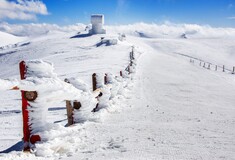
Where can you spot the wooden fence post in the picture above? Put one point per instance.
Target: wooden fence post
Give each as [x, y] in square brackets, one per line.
[105, 79]
[200, 63]
[233, 70]
[215, 67]
[209, 66]
[132, 53]
[204, 65]
[129, 69]
[94, 81]
[121, 73]
[94, 84]
[70, 108]
[131, 57]
[223, 68]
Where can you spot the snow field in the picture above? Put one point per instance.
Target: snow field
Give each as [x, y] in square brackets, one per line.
[41, 77]
[170, 109]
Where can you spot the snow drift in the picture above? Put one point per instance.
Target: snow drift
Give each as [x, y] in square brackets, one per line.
[6, 39]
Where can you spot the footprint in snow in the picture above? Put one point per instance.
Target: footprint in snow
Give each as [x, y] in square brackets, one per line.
[116, 146]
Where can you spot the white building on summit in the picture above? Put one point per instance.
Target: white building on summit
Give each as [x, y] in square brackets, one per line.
[97, 21]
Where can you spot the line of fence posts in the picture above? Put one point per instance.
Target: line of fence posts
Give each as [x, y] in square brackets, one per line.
[27, 96]
[216, 66]
[132, 58]
[71, 106]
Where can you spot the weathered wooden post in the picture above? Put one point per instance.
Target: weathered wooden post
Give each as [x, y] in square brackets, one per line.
[94, 84]
[27, 96]
[129, 69]
[132, 57]
[106, 78]
[204, 65]
[200, 64]
[233, 70]
[70, 108]
[215, 67]
[223, 68]
[209, 66]
[121, 73]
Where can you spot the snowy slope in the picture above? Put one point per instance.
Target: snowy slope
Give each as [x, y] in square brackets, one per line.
[171, 109]
[6, 39]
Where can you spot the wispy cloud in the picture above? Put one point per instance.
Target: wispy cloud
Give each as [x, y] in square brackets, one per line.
[33, 29]
[231, 18]
[22, 9]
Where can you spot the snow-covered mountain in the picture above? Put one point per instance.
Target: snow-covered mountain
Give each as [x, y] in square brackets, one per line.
[169, 109]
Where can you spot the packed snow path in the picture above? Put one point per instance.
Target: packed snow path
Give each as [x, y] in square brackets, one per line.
[177, 111]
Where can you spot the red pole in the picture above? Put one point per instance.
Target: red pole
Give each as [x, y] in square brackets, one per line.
[25, 113]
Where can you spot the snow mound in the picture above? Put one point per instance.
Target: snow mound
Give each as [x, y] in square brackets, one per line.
[6, 39]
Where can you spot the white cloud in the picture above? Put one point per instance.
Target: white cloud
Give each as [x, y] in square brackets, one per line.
[171, 30]
[22, 9]
[231, 18]
[166, 30]
[33, 29]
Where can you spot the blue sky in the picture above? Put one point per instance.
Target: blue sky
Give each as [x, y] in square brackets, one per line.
[218, 13]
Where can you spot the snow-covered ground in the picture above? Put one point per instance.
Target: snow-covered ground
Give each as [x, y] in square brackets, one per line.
[8, 39]
[169, 109]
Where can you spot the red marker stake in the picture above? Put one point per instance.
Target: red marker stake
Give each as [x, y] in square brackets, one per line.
[25, 113]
